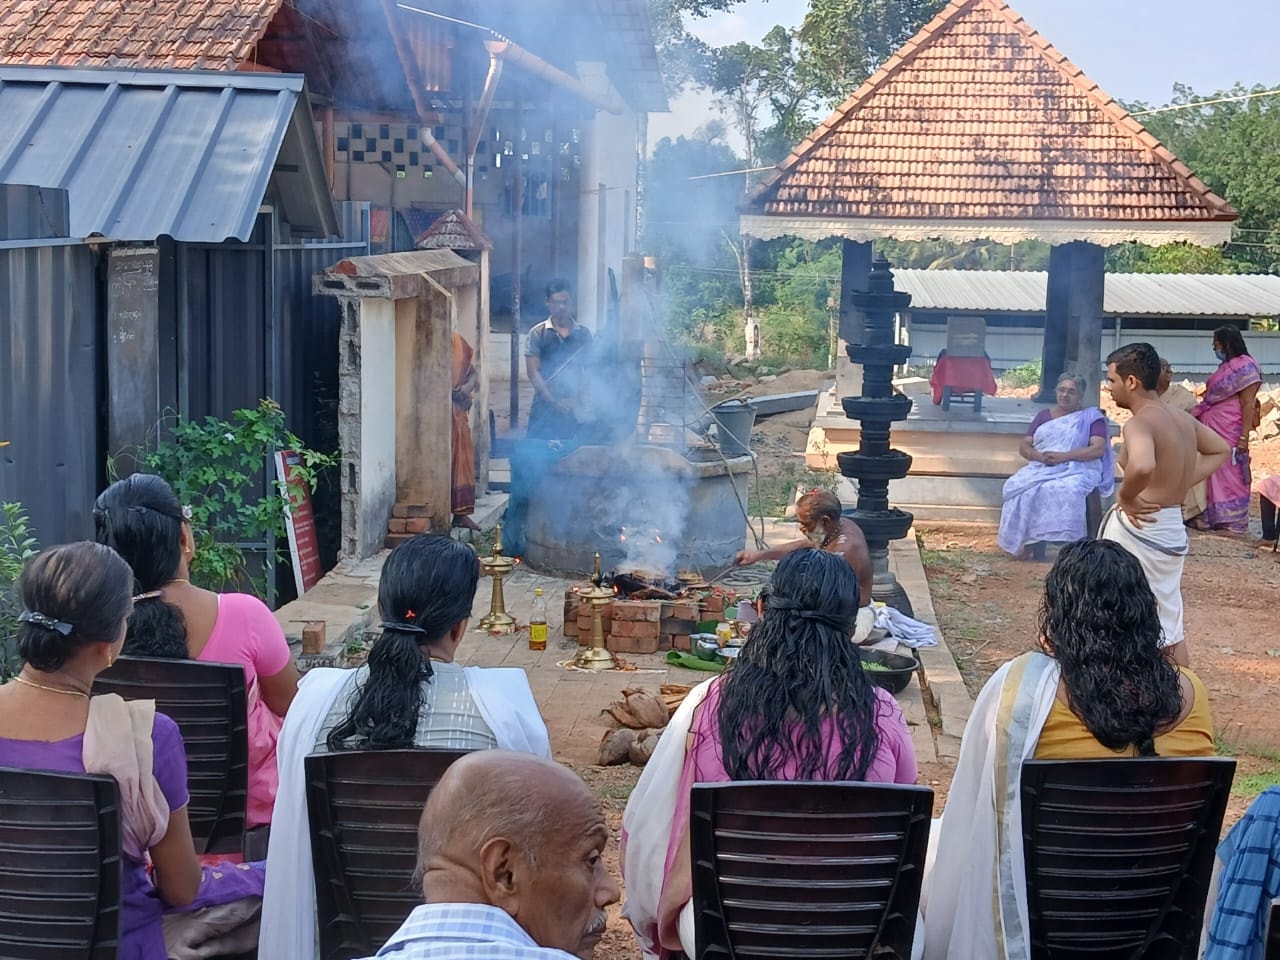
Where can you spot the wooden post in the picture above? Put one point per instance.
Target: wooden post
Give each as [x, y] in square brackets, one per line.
[1053, 353]
[1084, 349]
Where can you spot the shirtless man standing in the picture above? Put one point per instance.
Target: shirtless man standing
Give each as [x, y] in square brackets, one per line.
[1166, 452]
[826, 528]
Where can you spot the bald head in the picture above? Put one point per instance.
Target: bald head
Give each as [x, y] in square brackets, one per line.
[523, 834]
[493, 793]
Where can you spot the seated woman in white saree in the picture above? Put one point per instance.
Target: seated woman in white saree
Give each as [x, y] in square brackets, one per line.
[411, 693]
[767, 718]
[1069, 456]
[1101, 688]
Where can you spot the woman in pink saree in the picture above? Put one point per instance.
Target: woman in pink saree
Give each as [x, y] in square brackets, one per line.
[1227, 409]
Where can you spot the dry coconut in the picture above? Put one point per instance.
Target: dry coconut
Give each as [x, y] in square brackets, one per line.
[615, 746]
[642, 748]
[640, 709]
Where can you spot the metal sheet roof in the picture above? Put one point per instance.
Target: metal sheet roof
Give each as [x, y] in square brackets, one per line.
[1125, 294]
[149, 153]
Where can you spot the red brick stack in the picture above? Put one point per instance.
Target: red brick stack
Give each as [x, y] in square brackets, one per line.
[640, 626]
[407, 520]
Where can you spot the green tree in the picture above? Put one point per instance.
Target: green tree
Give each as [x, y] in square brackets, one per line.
[1235, 148]
[845, 41]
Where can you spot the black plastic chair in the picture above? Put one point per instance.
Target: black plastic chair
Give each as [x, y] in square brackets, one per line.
[807, 870]
[364, 807]
[1273, 932]
[207, 702]
[60, 866]
[1119, 854]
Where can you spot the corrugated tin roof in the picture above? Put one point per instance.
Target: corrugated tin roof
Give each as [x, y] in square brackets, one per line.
[150, 153]
[1125, 294]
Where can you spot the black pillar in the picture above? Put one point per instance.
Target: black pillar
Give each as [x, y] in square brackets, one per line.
[875, 463]
[1073, 318]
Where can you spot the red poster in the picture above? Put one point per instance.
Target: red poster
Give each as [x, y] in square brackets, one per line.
[300, 523]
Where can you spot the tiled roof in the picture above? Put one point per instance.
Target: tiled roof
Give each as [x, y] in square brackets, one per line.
[978, 117]
[453, 230]
[179, 34]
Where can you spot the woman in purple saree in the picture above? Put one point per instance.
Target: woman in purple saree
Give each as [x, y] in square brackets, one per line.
[1227, 409]
[1070, 457]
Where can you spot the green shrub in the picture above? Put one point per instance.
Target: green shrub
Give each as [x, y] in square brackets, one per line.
[17, 546]
[1027, 375]
[216, 468]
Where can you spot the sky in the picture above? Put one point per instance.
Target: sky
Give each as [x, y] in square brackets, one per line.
[1133, 49]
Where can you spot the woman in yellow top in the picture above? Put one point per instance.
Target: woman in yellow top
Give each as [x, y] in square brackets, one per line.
[1100, 687]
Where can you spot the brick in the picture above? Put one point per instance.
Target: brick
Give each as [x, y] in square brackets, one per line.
[571, 628]
[395, 539]
[407, 510]
[623, 644]
[682, 611]
[395, 525]
[650, 610]
[681, 642]
[417, 525]
[313, 636]
[678, 626]
[664, 643]
[713, 606]
[635, 628]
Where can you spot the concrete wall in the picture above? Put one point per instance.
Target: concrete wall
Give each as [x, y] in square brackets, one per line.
[1190, 351]
[367, 423]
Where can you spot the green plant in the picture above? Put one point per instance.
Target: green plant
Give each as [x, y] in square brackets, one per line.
[1027, 375]
[223, 471]
[17, 546]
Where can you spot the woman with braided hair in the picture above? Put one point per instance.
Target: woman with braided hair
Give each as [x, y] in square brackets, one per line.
[411, 693]
[1099, 687]
[796, 705]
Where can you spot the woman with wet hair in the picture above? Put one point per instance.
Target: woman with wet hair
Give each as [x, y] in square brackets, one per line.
[142, 519]
[411, 694]
[1100, 687]
[796, 705]
[76, 599]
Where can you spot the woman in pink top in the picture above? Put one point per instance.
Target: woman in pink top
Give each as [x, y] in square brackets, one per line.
[141, 519]
[795, 706]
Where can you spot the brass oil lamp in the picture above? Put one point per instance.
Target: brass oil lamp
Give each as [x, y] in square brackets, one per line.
[498, 567]
[597, 655]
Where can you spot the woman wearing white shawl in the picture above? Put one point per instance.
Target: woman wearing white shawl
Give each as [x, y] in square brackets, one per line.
[411, 694]
[1101, 634]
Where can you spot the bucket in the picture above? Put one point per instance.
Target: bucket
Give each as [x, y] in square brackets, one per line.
[734, 420]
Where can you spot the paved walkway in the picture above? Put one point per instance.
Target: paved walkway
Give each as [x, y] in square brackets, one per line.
[572, 701]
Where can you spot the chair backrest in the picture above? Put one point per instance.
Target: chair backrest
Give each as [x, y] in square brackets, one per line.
[1119, 854]
[207, 702]
[1273, 932]
[807, 869]
[966, 336]
[60, 867]
[364, 807]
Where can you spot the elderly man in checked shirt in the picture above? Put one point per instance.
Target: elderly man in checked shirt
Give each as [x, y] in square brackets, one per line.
[510, 851]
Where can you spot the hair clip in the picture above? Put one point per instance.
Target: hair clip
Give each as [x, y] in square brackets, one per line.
[186, 511]
[47, 623]
[409, 615]
[149, 595]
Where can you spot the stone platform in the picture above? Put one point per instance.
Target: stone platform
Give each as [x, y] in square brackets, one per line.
[960, 459]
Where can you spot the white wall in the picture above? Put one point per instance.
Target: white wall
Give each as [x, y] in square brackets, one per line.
[609, 158]
[377, 420]
[1189, 351]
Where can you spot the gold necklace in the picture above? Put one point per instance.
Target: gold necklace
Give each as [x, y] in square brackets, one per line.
[40, 686]
[179, 580]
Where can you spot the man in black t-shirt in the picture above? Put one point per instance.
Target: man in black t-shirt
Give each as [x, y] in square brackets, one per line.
[555, 358]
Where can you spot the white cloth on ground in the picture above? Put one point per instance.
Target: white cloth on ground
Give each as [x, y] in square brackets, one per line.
[1161, 547]
[289, 927]
[910, 632]
[864, 623]
[975, 893]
